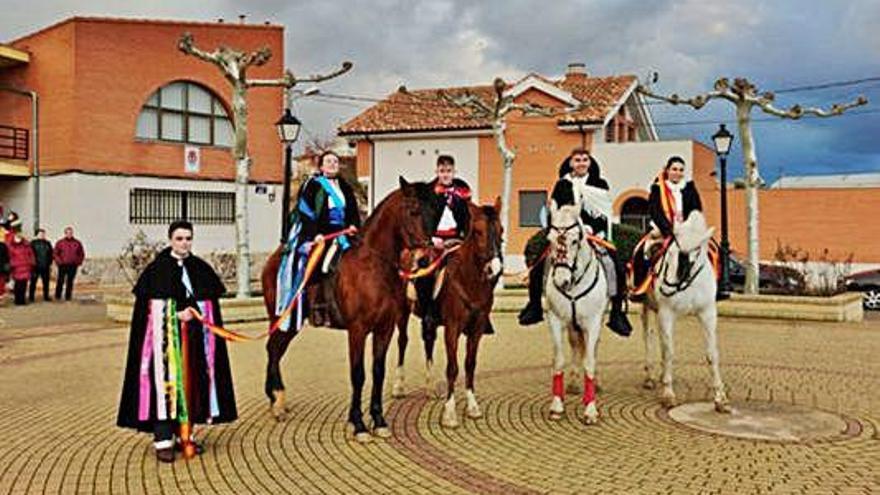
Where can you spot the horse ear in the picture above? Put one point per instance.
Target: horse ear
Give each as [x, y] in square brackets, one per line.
[403, 182]
[710, 232]
[497, 203]
[405, 186]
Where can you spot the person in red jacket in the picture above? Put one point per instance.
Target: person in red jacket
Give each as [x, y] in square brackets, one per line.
[21, 259]
[68, 255]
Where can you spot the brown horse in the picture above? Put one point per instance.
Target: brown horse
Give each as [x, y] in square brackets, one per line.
[370, 294]
[465, 300]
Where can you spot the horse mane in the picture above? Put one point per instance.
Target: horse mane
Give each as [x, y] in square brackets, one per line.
[423, 194]
[566, 211]
[693, 232]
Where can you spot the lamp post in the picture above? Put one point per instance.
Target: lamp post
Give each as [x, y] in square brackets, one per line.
[722, 141]
[288, 130]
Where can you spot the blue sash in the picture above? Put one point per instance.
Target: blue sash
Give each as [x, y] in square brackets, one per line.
[336, 214]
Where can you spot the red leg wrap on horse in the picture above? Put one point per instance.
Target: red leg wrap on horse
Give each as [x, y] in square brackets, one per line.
[558, 385]
[589, 390]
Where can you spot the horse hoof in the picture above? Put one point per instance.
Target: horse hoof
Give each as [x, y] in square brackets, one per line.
[382, 432]
[722, 407]
[555, 416]
[649, 384]
[668, 401]
[280, 415]
[451, 422]
[474, 412]
[591, 414]
[363, 437]
[398, 392]
[449, 419]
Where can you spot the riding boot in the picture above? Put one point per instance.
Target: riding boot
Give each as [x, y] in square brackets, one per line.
[533, 312]
[617, 320]
[317, 305]
[430, 318]
[641, 266]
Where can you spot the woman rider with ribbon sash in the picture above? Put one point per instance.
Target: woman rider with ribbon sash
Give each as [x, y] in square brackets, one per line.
[326, 205]
[671, 200]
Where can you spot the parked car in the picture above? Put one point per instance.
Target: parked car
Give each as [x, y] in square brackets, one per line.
[868, 283]
[772, 277]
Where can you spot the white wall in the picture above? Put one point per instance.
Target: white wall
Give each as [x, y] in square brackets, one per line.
[635, 165]
[415, 160]
[16, 195]
[97, 207]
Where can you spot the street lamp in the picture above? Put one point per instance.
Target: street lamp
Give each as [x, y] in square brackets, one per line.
[722, 140]
[288, 130]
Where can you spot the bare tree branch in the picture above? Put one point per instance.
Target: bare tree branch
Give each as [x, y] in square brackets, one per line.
[290, 80]
[532, 109]
[698, 101]
[468, 100]
[797, 111]
[185, 44]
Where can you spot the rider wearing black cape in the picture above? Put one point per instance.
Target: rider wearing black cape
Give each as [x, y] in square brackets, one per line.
[174, 281]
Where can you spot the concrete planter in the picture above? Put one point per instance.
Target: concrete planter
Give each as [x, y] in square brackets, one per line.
[842, 307]
[234, 310]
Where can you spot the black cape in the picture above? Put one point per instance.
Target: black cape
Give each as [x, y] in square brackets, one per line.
[162, 280]
[690, 199]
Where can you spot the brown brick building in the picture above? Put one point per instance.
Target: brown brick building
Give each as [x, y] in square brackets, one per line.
[120, 108]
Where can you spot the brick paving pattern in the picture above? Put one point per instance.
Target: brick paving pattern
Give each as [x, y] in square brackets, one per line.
[60, 385]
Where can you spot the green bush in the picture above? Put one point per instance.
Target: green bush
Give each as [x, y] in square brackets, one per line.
[625, 238]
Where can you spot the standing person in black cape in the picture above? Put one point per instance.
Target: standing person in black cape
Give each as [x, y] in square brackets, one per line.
[166, 338]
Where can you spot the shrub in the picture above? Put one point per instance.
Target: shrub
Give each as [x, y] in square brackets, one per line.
[824, 276]
[625, 238]
[136, 254]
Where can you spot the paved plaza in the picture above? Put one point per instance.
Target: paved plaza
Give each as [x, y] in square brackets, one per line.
[60, 383]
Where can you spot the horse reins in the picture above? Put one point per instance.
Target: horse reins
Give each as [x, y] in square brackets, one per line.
[680, 285]
[573, 299]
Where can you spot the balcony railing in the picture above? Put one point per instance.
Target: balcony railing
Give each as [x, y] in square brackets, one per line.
[14, 142]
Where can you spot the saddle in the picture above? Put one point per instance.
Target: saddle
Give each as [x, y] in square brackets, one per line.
[412, 264]
[321, 293]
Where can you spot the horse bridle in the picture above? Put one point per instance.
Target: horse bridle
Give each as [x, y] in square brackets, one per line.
[573, 299]
[562, 234]
[679, 285]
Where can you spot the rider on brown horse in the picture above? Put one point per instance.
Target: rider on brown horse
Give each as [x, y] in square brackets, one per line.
[326, 205]
[452, 196]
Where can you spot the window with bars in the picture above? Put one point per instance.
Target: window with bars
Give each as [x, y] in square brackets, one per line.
[184, 112]
[163, 206]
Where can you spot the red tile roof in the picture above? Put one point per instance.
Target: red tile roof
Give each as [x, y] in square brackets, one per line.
[426, 110]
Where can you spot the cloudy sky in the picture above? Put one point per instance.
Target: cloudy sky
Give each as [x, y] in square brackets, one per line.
[778, 45]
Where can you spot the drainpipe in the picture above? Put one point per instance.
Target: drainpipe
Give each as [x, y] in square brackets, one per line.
[372, 202]
[35, 116]
[35, 124]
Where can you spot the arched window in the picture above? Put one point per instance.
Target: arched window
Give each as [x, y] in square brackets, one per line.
[185, 112]
[635, 212]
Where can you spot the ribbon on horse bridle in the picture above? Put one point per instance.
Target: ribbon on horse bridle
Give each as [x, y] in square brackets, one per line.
[431, 268]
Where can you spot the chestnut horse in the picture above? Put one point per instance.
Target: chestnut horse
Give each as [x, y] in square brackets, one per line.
[465, 302]
[370, 295]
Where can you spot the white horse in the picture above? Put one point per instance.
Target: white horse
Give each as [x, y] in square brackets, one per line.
[577, 296]
[678, 290]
